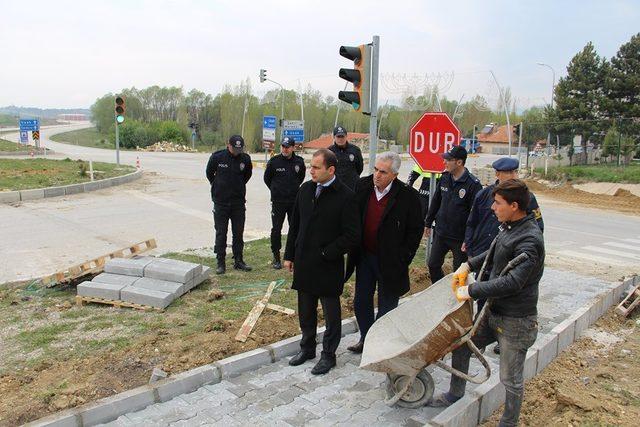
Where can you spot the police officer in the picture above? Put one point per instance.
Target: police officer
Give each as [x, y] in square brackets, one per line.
[450, 209]
[228, 171]
[423, 191]
[350, 163]
[283, 175]
[483, 225]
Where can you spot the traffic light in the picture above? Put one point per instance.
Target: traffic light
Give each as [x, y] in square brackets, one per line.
[120, 109]
[516, 128]
[263, 76]
[360, 97]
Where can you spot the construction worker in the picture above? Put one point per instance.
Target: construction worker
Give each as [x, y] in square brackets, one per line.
[516, 257]
[350, 163]
[423, 191]
[283, 175]
[228, 172]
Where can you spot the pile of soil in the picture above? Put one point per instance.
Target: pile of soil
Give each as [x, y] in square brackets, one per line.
[596, 381]
[622, 201]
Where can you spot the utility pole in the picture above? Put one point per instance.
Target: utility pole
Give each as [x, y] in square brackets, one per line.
[506, 111]
[373, 123]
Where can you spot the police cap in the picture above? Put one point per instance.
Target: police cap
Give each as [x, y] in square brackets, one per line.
[505, 164]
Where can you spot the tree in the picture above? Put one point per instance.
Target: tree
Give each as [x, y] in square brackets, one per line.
[623, 87]
[580, 96]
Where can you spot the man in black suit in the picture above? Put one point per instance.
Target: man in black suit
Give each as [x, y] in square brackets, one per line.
[325, 226]
[392, 228]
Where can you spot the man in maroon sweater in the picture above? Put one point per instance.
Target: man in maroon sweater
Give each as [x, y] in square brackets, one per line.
[392, 227]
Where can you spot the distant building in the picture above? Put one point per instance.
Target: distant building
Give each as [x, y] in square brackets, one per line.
[325, 140]
[494, 139]
[78, 117]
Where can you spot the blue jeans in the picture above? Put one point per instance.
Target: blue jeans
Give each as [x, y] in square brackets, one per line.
[367, 276]
[515, 335]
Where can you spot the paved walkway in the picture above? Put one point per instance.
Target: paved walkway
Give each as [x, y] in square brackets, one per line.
[281, 395]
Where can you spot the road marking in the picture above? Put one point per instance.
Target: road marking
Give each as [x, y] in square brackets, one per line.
[623, 246]
[571, 230]
[171, 205]
[611, 252]
[595, 258]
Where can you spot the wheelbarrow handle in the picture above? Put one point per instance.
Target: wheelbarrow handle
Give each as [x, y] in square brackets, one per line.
[474, 379]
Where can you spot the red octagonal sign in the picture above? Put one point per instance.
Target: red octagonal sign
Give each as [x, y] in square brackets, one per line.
[433, 135]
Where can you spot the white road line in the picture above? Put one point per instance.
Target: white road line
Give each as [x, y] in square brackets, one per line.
[174, 206]
[623, 246]
[572, 230]
[611, 252]
[595, 258]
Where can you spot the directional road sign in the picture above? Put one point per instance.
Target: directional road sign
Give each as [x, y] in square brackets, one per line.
[269, 128]
[24, 136]
[293, 129]
[29, 124]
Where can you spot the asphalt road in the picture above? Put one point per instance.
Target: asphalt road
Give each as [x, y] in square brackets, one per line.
[172, 204]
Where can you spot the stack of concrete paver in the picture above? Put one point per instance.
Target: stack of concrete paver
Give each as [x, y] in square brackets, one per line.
[144, 280]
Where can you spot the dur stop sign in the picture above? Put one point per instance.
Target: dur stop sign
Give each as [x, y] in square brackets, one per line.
[431, 136]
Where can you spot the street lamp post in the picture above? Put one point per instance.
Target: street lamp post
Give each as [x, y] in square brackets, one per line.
[553, 87]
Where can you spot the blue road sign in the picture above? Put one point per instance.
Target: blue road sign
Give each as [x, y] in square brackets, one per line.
[24, 136]
[269, 122]
[269, 128]
[29, 124]
[296, 134]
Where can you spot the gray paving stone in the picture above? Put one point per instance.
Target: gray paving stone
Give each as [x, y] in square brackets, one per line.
[34, 194]
[146, 297]
[115, 279]
[100, 290]
[127, 266]
[160, 285]
[172, 270]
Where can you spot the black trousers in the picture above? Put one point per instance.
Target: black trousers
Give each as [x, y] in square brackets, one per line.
[439, 248]
[278, 212]
[308, 317]
[222, 214]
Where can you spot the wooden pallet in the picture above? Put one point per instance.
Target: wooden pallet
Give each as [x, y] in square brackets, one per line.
[630, 302]
[81, 300]
[96, 265]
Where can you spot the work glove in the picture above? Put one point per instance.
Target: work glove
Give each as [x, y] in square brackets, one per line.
[462, 293]
[460, 277]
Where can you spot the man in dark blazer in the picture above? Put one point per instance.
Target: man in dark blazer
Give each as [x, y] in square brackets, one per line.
[392, 227]
[325, 226]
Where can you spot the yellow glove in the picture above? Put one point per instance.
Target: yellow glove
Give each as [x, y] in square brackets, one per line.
[460, 277]
[462, 293]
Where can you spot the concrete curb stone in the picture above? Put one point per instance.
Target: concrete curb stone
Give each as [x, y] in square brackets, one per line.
[35, 194]
[286, 347]
[186, 382]
[463, 413]
[9, 196]
[530, 364]
[235, 365]
[132, 400]
[547, 348]
[581, 317]
[53, 192]
[73, 189]
[491, 395]
[566, 331]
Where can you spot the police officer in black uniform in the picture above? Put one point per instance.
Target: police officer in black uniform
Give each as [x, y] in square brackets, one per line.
[283, 175]
[450, 209]
[350, 163]
[424, 189]
[228, 172]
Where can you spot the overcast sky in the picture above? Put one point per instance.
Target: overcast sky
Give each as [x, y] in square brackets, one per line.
[67, 53]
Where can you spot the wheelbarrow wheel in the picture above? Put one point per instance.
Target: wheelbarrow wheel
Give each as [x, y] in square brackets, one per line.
[418, 393]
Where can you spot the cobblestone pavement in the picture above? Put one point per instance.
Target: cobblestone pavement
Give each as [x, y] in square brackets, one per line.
[281, 395]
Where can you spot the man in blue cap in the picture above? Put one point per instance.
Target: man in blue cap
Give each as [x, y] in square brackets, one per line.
[483, 225]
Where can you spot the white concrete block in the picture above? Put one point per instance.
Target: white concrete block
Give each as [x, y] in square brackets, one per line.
[160, 285]
[100, 290]
[146, 297]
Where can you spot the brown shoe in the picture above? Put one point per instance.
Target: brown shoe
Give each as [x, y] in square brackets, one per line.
[356, 348]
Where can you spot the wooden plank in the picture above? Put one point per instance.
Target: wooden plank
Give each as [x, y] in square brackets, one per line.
[630, 302]
[254, 314]
[281, 309]
[80, 300]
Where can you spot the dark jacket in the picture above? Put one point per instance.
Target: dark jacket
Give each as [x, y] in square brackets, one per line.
[451, 204]
[283, 176]
[320, 233]
[482, 225]
[228, 176]
[516, 293]
[350, 164]
[399, 233]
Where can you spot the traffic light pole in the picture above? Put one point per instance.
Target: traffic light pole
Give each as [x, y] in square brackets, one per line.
[117, 144]
[373, 122]
[432, 190]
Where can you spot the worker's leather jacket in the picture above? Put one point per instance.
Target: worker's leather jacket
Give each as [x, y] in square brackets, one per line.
[514, 292]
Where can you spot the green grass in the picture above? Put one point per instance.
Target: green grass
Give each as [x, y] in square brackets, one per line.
[88, 137]
[595, 173]
[33, 339]
[23, 174]
[11, 146]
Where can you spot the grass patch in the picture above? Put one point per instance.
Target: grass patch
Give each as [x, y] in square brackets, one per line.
[41, 337]
[23, 174]
[11, 146]
[89, 137]
[595, 173]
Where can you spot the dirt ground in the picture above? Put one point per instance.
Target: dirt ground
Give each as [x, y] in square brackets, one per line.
[593, 382]
[622, 201]
[31, 390]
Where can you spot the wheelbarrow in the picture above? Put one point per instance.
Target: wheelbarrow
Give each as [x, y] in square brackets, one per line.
[417, 334]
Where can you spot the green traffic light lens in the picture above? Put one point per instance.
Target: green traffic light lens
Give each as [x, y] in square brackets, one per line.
[120, 119]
